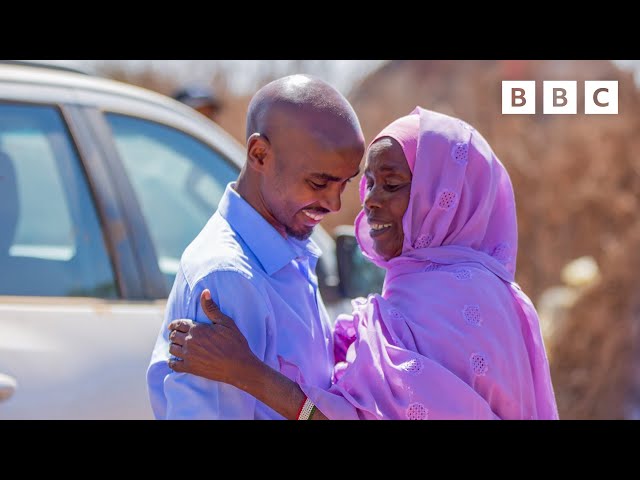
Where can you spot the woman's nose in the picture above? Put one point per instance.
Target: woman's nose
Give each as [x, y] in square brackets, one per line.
[372, 198]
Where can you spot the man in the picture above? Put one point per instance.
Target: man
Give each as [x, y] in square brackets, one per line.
[203, 100]
[304, 143]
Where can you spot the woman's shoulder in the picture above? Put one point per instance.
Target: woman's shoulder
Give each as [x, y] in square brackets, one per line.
[461, 271]
[461, 280]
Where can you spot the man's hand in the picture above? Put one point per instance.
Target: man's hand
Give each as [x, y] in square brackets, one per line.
[217, 351]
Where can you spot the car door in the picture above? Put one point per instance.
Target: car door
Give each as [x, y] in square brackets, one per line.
[63, 291]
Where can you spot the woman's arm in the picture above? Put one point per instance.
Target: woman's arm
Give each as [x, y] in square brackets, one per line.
[274, 389]
[220, 352]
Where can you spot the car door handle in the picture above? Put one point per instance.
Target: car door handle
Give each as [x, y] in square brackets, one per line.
[7, 386]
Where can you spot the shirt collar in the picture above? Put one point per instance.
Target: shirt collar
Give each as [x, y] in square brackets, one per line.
[271, 249]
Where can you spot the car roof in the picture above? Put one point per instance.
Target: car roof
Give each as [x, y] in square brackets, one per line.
[48, 64]
[53, 75]
[41, 83]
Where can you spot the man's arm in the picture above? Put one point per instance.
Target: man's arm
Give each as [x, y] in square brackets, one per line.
[187, 396]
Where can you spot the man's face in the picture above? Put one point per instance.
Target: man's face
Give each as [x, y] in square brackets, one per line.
[306, 179]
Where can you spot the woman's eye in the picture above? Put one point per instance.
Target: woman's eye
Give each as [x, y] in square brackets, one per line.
[391, 188]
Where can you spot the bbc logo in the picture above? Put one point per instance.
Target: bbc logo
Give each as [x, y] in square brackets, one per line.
[560, 97]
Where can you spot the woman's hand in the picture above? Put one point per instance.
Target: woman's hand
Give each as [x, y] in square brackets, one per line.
[217, 351]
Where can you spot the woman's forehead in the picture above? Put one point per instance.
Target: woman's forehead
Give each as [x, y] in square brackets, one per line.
[386, 154]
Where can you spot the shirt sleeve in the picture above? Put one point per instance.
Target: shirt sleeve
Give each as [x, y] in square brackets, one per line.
[185, 396]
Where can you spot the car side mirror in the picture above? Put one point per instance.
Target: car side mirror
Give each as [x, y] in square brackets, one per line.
[358, 276]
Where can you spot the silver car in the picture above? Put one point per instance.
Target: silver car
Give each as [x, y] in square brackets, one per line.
[102, 186]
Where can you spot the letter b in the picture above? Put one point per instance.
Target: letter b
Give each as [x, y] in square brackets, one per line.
[560, 97]
[518, 97]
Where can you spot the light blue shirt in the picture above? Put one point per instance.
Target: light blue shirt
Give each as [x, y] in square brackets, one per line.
[267, 285]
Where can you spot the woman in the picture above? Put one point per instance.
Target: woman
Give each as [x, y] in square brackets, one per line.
[452, 336]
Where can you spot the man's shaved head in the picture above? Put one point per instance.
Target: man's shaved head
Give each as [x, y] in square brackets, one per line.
[306, 102]
[304, 143]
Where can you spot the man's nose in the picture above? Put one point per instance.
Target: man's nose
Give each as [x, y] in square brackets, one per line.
[332, 200]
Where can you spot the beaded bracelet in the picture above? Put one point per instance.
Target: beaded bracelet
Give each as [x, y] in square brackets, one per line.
[306, 410]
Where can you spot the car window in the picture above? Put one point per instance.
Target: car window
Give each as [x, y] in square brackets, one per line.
[178, 181]
[51, 242]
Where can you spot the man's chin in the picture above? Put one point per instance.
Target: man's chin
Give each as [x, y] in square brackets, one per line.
[300, 234]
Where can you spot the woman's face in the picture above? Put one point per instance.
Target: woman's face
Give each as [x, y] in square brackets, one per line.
[388, 188]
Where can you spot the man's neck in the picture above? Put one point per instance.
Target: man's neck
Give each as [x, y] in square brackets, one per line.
[251, 194]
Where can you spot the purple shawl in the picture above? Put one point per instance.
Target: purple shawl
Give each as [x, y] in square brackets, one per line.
[452, 336]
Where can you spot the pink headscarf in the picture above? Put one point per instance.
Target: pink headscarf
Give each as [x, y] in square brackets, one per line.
[452, 336]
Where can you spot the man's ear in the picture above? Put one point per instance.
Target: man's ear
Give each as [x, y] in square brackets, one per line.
[258, 151]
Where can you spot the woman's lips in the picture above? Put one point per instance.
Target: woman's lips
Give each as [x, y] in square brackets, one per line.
[378, 228]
